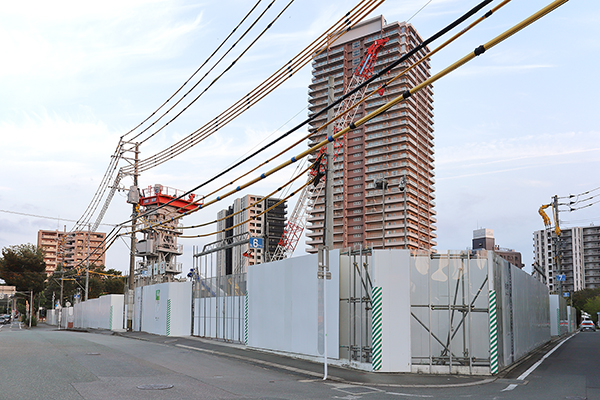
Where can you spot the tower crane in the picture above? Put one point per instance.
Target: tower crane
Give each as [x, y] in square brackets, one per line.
[298, 219]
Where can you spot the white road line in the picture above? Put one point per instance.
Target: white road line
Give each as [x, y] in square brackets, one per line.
[509, 387]
[537, 364]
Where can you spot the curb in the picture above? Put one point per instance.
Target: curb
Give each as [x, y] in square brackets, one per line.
[306, 372]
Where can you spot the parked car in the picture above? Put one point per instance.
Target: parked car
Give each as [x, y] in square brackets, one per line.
[4, 320]
[587, 326]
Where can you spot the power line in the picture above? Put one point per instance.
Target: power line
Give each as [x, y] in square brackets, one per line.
[44, 217]
[108, 175]
[262, 90]
[375, 76]
[421, 9]
[206, 74]
[198, 69]
[405, 95]
[480, 50]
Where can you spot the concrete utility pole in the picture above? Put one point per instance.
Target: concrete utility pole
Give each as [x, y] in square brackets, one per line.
[382, 184]
[328, 216]
[135, 207]
[558, 245]
[403, 189]
[87, 267]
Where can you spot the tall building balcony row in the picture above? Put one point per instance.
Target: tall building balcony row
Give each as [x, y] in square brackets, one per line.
[331, 68]
[323, 55]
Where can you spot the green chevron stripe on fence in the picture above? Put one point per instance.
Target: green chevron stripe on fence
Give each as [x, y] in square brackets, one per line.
[168, 317]
[377, 325]
[246, 320]
[110, 318]
[493, 334]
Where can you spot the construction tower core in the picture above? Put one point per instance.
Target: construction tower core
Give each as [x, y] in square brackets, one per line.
[161, 208]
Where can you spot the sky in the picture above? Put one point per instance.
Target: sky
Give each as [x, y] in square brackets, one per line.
[514, 127]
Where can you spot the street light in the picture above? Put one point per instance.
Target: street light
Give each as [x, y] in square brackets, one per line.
[382, 184]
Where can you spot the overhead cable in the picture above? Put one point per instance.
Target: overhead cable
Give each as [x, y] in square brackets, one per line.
[208, 72]
[478, 51]
[405, 95]
[262, 90]
[375, 76]
[197, 70]
[108, 176]
[44, 217]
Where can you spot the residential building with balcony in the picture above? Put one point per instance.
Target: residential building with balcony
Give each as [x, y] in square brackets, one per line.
[71, 248]
[396, 147]
[245, 219]
[575, 254]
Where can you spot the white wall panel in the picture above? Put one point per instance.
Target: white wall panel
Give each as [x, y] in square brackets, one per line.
[105, 312]
[154, 309]
[391, 272]
[283, 306]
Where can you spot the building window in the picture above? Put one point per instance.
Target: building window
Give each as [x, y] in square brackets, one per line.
[355, 45]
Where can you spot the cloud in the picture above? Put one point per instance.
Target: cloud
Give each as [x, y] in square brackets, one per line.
[59, 40]
[502, 155]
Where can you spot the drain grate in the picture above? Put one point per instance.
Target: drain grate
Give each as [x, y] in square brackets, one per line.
[155, 386]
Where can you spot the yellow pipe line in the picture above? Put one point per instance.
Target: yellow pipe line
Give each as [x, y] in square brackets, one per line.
[498, 39]
[418, 62]
[253, 218]
[251, 205]
[261, 91]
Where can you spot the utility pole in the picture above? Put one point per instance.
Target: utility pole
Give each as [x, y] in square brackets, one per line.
[323, 260]
[558, 244]
[87, 267]
[135, 207]
[403, 189]
[382, 184]
[328, 203]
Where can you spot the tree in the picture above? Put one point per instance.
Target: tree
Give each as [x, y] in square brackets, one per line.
[592, 307]
[582, 296]
[23, 266]
[114, 283]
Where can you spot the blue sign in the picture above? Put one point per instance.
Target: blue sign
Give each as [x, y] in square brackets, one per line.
[256, 243]
[566, 294]
[561, 277]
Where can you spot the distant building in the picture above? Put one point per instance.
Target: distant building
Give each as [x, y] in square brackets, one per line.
[71, 248]
[268, 226]
[579, 252]
[396, 146]
[483, 239]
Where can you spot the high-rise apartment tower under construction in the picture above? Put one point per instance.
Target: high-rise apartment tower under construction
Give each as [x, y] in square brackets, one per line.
[384, 174]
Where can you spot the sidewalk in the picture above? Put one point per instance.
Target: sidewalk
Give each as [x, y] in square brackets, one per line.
[312, 370]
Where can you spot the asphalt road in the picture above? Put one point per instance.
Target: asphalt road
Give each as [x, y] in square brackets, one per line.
[50, 364]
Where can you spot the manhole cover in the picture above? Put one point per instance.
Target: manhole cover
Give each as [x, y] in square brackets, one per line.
[155, 386]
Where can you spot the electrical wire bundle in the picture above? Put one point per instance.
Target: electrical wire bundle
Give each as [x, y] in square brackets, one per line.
[405, 95]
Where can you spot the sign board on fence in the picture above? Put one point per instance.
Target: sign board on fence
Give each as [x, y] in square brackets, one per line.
[256, 243]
